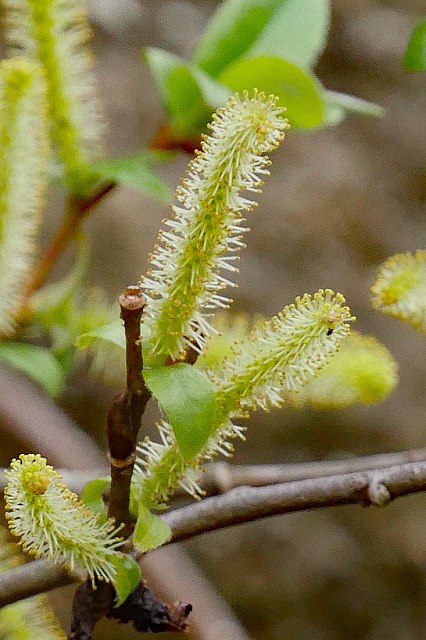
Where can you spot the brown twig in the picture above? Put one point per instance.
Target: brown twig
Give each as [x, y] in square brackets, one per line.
[77, 209]
[123, 422]
[125, 414]
[221, 477]
[245, 504]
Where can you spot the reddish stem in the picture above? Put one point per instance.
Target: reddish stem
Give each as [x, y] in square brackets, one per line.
[77, 209]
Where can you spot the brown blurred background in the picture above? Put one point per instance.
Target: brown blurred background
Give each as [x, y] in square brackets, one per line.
[338, 202]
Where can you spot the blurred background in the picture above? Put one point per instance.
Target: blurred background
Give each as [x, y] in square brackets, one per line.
[338, 202]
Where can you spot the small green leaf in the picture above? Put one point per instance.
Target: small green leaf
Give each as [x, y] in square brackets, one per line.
[128, 576]
[150, 530]
[38, 363]
[92, 495]
[297, 31]
[183, 98]
[354, 104]
[231, 32]
[415, 54]
[298, 91]
[136, 171]
[187, 397]
[112, 332]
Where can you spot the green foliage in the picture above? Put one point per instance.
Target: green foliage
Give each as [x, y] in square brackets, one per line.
[188, 93]
[134, 170]
[150, 530]
[415, 53]
[270, 45]
[92, 496]
[187, 398]
[38, 363]
[295, 30]
[127, 576]
[296, 88]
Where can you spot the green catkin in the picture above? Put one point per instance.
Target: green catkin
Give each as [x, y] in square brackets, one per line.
[56, 33]
[280, 355]
[23, 166]
[206, 228]
[52, 523]
[400, 288]
[362, 372]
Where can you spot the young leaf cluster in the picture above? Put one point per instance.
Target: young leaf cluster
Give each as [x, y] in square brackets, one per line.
[271, 45]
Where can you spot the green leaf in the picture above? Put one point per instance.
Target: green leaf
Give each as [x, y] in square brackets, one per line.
[128, 576]
[232, 31]
[183, 98]
[136, 171]
[38, 363]
[354, 104]
[297, 31]
[187, 397]
[150, 530]
[293, 29]
[112, 332]
[415, 54]
[92, 496]
[298, 91]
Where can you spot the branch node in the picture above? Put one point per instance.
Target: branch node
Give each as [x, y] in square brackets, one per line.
[378, 493]
[119, 463]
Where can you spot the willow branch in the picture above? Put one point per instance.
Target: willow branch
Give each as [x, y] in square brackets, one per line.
[245, 504]
[123, 422]
[221, 477]
[125, 414]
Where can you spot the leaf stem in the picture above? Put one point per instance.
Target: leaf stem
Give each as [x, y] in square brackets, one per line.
[77, 209]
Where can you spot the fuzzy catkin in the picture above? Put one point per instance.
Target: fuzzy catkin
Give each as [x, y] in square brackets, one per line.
[23, 168]
[56, 33]
[279, 355]
[185, 279]
[52, 523]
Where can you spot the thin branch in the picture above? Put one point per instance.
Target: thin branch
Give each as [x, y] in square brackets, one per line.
[221, 477]
[245, 504]
[77, 209]
[32, 578]
[125, 414]
[123, 422]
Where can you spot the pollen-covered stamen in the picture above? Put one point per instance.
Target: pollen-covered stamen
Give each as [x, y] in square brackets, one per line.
[278, 356]
[51, 522]
[208, 224]
[400, 288]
